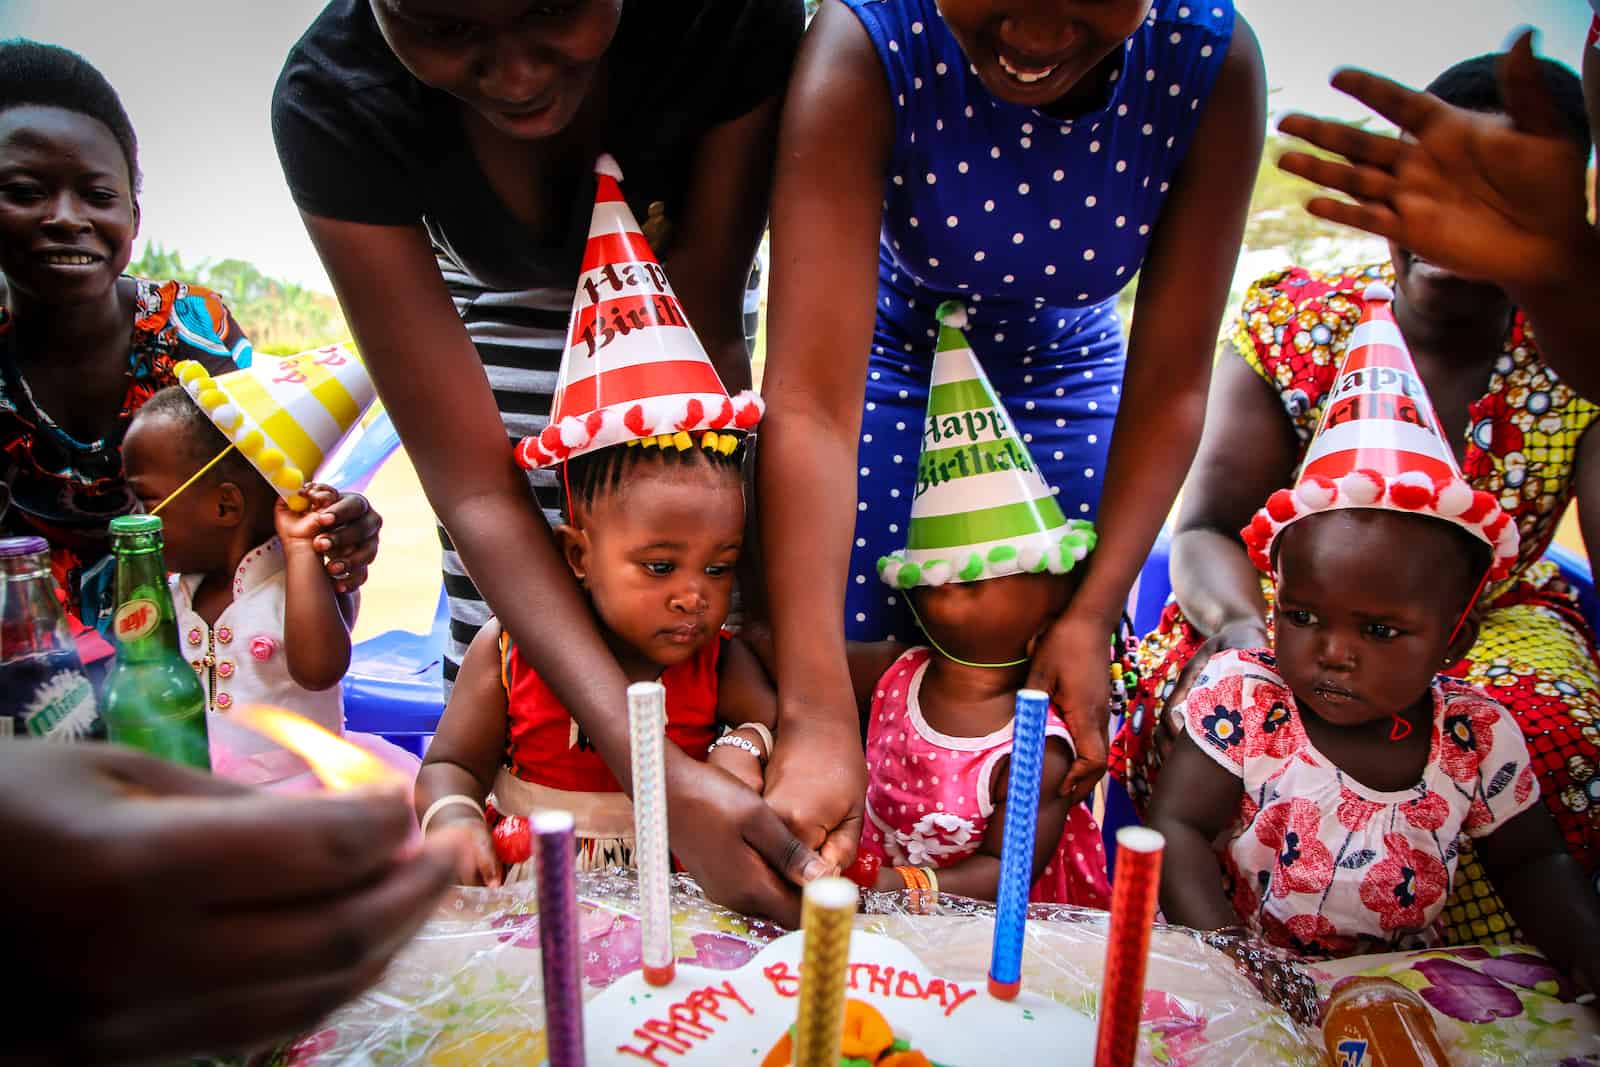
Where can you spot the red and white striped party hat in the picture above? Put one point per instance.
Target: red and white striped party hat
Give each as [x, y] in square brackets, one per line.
[1380, 445]
[633, 368]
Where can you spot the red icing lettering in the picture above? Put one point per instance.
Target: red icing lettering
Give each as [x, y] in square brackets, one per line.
[784, 982]
[909, 987]
[648, 1053]
[881, 981]
[958, 997]
[684, 1023]
[680, 1031]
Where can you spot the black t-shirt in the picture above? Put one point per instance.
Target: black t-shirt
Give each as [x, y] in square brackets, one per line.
[361, 140]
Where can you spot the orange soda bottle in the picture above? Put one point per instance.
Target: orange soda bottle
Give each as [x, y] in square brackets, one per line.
[1377, 1022]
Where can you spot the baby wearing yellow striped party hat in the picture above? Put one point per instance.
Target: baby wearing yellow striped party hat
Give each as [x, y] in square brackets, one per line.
[227, 463]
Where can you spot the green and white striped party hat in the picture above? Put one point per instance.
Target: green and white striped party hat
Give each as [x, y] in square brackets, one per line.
[981, 508]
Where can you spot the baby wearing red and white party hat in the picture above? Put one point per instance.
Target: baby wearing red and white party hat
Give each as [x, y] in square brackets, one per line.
[649, 447]
[1335, 772]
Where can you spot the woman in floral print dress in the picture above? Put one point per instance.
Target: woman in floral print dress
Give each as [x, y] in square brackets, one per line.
[1520, 434]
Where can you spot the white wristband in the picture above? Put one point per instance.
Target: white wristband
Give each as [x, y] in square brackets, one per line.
[761, 732]
[445, 802]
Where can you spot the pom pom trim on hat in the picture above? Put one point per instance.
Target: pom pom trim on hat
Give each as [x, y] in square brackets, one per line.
[1057, 551]
[1449, 499]
[641, 420]
[246, 437]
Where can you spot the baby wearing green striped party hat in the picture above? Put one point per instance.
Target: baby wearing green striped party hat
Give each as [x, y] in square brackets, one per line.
[982, 512]
[990, 562]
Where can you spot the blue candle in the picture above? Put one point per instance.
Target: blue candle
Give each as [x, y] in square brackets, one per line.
[1016, 849]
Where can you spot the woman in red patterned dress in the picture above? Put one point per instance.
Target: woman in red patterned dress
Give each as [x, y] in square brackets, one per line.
[1520, 434]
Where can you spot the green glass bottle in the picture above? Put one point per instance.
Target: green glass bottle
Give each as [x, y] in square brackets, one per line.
[153, 700]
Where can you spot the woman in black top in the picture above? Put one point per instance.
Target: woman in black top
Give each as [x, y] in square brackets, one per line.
[440, 152]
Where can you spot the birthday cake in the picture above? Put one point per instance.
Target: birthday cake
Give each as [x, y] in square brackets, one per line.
[469, 990]
[899, 1013]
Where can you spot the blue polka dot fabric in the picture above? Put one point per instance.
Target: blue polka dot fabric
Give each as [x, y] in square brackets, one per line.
[1035, 223]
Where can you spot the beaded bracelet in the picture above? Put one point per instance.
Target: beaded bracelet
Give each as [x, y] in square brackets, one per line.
[744, 744]
[918, 888]
[761, 731]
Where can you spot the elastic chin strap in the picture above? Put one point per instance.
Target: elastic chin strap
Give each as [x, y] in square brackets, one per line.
[195, 477]
[1471, 603]
[912, 604]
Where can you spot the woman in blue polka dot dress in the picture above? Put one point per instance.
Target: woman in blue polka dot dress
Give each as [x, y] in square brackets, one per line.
[1026, 157]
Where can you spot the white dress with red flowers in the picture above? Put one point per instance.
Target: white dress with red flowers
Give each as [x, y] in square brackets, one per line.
[1321, 864]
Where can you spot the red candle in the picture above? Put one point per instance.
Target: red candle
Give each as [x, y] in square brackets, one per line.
[1133, 910]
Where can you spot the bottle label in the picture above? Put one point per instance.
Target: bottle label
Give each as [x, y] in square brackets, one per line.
[1352, 1052]
[62, 709]
[135, 619]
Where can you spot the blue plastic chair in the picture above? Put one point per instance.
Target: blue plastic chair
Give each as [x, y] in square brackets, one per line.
[394, 685]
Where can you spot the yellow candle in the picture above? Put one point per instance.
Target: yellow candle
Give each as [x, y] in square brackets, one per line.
[828, 907]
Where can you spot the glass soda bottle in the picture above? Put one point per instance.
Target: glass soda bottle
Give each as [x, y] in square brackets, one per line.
[1377, 1022]
[46, 691]
[153, 700]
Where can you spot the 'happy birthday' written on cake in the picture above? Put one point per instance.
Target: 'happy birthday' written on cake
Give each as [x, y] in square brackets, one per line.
[686, 1023]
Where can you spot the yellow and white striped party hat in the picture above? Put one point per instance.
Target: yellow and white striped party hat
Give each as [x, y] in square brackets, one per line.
[982, 509]
[285, 416]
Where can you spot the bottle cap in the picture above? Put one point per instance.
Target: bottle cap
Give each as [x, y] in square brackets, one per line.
[136, 524]
[11, 547]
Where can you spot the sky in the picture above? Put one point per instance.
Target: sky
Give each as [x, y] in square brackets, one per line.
[197, 76]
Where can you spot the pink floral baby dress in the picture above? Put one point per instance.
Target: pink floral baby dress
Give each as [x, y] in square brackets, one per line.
[930, 795]
[1320, 863]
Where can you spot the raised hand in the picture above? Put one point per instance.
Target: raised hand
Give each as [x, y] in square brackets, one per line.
[1497, 198]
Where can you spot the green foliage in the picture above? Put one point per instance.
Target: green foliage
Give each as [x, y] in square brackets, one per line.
[280, 317]
[1278, 218]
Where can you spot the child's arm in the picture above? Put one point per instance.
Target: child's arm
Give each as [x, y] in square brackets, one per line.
[317, 639]
[322, 498]
[1546, 891]
[744, 695]
[978, 876]
[466, 751]
[1194, 802]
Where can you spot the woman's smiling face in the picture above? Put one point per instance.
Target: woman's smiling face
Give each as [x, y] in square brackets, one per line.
[67, 212]
[1033, 52]
[526, 66]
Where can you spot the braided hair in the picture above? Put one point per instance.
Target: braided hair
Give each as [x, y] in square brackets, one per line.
[605, 470]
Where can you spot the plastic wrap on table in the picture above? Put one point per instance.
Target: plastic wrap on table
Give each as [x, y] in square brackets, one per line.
[1491, 1004]
[467, 990]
